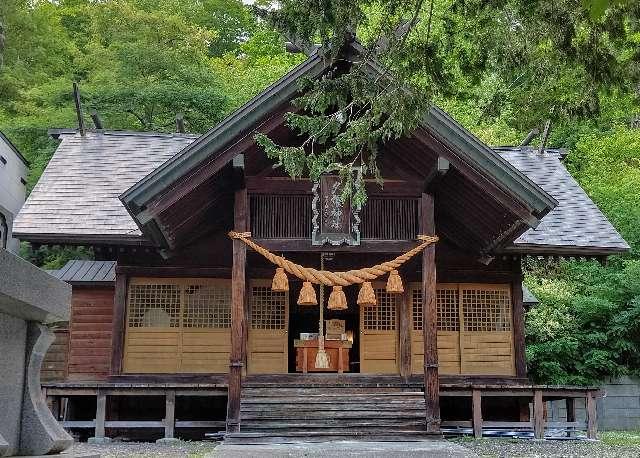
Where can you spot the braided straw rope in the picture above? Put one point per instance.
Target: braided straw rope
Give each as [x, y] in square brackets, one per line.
[327, 278]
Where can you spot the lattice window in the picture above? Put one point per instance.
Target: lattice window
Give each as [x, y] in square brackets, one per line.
[447, 305]
[486, 310]
[154, 305]
[207, 306]
[268, 308]
[383, 316]
[416, 306]
[448, 309]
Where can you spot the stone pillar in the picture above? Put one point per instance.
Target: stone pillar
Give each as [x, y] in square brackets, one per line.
[40, 433]
[28, 298]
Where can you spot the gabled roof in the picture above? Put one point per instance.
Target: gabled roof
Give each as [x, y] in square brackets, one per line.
[85, 272]
[215, 142]
[76, 198]
[576, 224]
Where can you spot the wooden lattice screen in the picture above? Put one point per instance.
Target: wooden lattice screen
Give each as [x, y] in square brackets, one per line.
[474, 328]
[383, 316]
[379, 335]
[269, 317]
[290, 216]
[177, 325]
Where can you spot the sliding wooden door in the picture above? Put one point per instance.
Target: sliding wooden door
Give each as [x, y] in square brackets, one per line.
[379, 334]
[268, 324]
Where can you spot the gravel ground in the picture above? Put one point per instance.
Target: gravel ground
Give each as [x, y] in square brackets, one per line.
[625, 444]
[145, 449]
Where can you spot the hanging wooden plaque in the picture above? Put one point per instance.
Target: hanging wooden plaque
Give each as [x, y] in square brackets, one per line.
[334, 222]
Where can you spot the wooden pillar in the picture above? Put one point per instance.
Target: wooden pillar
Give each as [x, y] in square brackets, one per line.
[571, 411]
[476, 398]
[238, 292]
[592, 421]
[538, 415]
[430, 318]
[518, 322]
[118, 323]
[404, 334]
[101, 409]
[169, 414]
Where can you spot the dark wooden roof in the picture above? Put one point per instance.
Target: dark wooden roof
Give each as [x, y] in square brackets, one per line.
[514, 201]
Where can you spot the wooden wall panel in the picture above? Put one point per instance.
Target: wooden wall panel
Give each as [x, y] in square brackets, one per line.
[90, 332]
[487, 353]
[485, 346]
[177, 325]
[448, 352]
[54, 366]
[378, 352]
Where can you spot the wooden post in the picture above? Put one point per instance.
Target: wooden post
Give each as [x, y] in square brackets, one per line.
[476, 397]
[538, 415]
[430, 319]
[101, 409]
[170, 414]
[518, 323]
[571, 411]
[118, 323]
[404, 334]
[238, 291]
[592, 423]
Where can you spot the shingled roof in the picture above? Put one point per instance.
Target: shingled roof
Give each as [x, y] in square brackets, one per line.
[76, 199]
[576, 223]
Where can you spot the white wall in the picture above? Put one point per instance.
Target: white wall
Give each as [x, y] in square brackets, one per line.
[12, 191]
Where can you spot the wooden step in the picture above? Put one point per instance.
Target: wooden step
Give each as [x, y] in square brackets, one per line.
[319, 415]
[337, 425]
[325, 436]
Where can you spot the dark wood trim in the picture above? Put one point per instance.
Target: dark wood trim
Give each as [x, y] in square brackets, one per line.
[118, 323]
[404, 334]
[196, 177]
[430, 318]
[173, 272]
[471, 172]
[592, 421]
[366, 246]
[538, 415]
[476, 401]
[518, 323]
[285, 185]
[238, 292]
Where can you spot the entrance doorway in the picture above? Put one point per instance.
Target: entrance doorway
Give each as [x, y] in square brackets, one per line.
[305, 319]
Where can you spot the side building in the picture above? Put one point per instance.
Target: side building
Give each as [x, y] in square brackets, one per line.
[13, 190]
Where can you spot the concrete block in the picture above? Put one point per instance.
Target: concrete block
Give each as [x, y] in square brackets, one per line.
[30, 293]
[168, 441]
[99, 440]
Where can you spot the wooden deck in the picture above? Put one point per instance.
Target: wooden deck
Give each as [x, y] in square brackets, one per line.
[474, 388]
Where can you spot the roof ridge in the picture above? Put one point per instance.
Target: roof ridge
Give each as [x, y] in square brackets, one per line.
[54, 132]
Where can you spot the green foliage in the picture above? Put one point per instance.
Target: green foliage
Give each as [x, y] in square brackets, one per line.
[587, 325]
[53, 257]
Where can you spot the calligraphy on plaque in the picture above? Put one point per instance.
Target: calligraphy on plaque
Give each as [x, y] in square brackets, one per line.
[334, 222]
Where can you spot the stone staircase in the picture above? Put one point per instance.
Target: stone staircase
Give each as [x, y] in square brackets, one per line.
[285, 414]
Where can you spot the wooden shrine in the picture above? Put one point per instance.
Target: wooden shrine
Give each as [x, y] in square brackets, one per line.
[188, 305]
